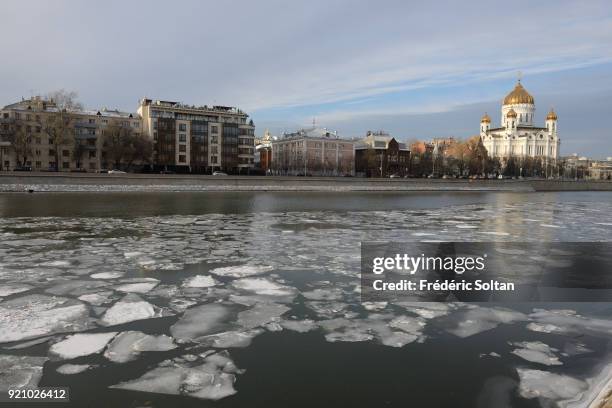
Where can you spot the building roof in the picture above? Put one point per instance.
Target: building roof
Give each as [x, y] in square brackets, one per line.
[313, 132]
[518, 95]
[378, 140]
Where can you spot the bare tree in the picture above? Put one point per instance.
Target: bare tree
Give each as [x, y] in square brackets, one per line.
[59, 124]
[123, 147]
[22, 143]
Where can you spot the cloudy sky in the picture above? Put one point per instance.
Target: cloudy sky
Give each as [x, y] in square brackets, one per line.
[416, 69]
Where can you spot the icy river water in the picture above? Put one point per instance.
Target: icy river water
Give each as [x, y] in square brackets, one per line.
[252, 300]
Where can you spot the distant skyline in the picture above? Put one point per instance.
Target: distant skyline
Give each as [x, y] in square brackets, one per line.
[415, 69]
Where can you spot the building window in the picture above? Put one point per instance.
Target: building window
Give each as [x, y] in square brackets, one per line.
[92, 155]
[65, 153]
[182, 148]
[182, 127]
[92, 121]
[182, 137]
[182, 158]
[66, 165]
[38, 165]
[213, 159]
[214, 129]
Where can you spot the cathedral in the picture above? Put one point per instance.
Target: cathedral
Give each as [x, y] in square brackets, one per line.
[517, 136]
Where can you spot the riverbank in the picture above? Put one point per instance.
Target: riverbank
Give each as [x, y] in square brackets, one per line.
[77, 182]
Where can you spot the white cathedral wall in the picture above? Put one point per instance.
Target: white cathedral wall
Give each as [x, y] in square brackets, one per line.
[524, 113]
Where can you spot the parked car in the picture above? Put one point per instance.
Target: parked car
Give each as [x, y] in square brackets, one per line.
[219, 173]
[23, 168]
[167, 172]
[115, 171]
[395, 176]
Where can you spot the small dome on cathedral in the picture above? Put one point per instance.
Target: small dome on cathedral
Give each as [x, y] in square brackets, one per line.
[485, 119]
[518, 95]
[551, 115]
[511, 113]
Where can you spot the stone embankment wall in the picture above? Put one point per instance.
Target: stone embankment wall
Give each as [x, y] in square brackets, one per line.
[18, 182]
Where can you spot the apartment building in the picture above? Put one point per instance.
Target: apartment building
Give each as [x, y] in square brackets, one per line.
[198, 139]
[314, 151]
[380, 155]
[28, 136]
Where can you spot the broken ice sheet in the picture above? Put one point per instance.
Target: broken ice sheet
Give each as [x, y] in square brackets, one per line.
[143, 286]
[199, 321]
[39, 315]
[536, 352]
[241, 271]
[261, 314]
[128, 345]
[300, 326]
[7, 289]
[82, 344]
[70, 369]
[475, 319]
[200, 281]
[129, 309]
[262, 286]
[211, 377]
[20, 371]
[568, 321]
[555, 387]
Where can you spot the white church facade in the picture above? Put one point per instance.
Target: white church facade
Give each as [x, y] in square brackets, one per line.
[517, 136]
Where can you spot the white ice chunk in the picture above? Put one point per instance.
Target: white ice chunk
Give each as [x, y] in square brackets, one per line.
[213, 380]
[20, 371]
[200, 281]
[542, 384]
[261, 314]
[477, 319]
[79, 345]
[264, 287]
[7, 289]
[138, 287]
[129, 309]
[107, 275]
[97, 299]
[241, 271]
[128, 345]
[536, 352]
[38, 315]
[200, 321]
[69, 369]
[300, 326]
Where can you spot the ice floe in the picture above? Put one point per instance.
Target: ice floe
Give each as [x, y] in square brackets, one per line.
[475, 319]
[201, 321]
[544, 384]
[200, 281]
[261, 314]
[7, 289]
[129, 309]
[81, 344]
[241, 271]
[536, 352]
[263, 286]
[39, 315]
[70, 369]
[211, 377]
[128, 345]
[20, 371]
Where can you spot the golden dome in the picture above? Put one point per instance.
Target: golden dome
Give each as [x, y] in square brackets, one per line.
[485, 119]
[551, 115]
[511, 113]
[518, 95]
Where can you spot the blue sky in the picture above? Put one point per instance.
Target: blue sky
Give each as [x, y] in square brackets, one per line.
[416, 69]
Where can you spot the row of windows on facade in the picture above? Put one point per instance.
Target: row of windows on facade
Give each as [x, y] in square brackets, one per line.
[91, 121]
[200, 118]
[539, 150]
[316, 145]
